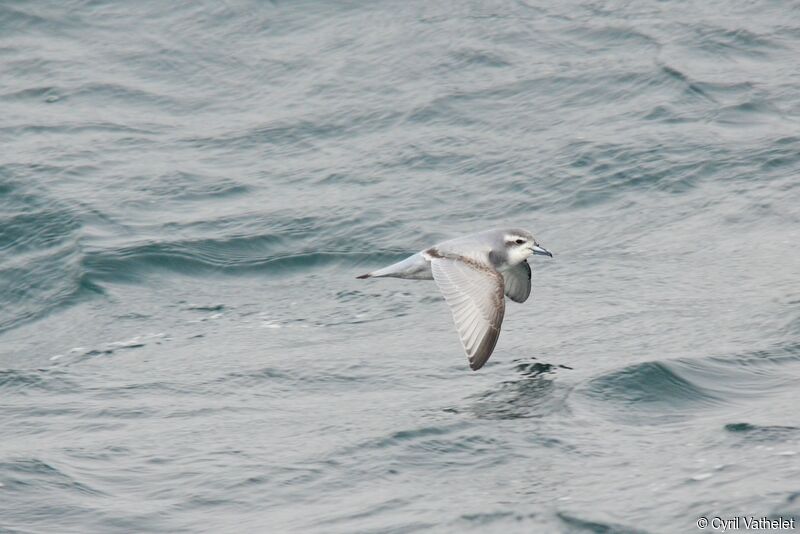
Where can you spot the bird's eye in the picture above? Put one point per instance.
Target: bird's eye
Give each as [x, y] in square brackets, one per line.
[520, 241]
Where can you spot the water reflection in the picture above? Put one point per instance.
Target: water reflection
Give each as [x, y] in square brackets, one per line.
[532, 393]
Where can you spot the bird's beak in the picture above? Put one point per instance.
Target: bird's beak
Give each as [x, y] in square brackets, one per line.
[542, 251]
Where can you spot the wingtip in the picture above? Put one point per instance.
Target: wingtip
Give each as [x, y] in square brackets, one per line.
[363, 276]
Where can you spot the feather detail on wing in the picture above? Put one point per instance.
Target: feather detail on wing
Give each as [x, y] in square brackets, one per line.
[518, 282]
[475, 294]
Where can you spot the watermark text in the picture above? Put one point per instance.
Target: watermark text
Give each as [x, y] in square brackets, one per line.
[745, 522]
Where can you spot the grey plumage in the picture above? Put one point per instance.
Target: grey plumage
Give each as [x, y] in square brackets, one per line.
[475, 273]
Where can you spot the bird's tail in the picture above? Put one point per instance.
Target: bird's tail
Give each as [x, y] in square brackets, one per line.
[413, 267]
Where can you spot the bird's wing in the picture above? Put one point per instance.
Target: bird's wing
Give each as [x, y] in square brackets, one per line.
[518, 282]
[474, 292]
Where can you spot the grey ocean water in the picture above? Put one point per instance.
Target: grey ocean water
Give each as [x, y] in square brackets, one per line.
[188, 189]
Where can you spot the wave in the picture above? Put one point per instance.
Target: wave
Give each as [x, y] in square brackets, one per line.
[659, 391]
[26, 381]
[49, 264]
[40, 269]
[766, 433]
[207, 257]
[577, 524]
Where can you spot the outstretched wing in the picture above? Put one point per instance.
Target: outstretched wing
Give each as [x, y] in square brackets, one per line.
[475, 295]
[518, 282]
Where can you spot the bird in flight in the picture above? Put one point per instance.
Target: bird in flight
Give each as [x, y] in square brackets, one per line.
[475, 273]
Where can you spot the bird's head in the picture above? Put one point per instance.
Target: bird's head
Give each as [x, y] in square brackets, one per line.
[521, 244]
